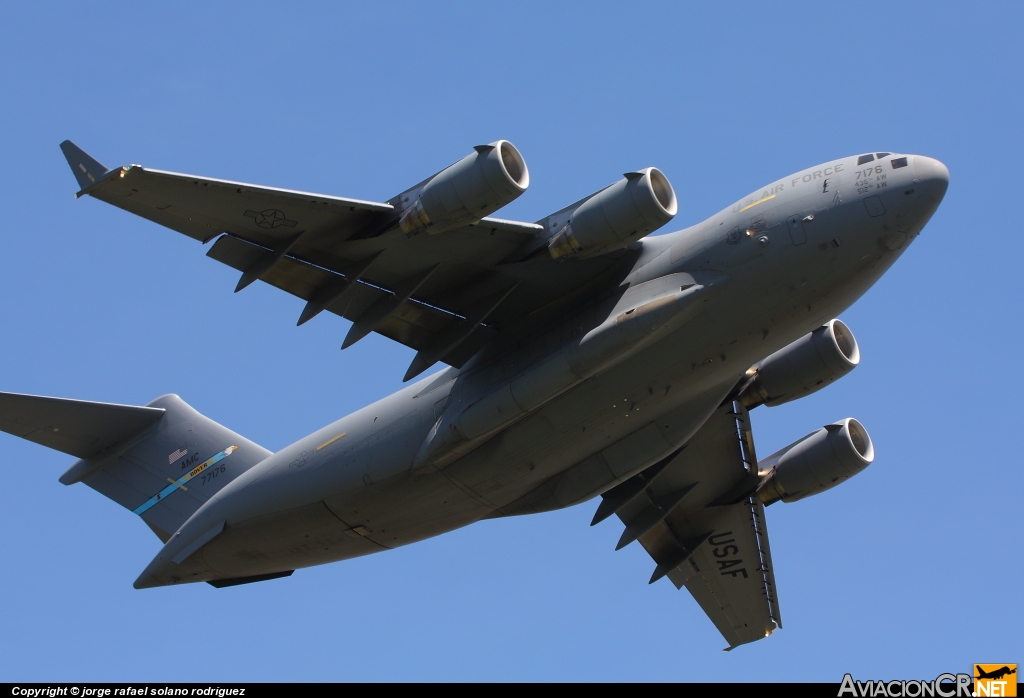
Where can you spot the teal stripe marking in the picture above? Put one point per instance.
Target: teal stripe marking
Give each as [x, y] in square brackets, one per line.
[183, 479]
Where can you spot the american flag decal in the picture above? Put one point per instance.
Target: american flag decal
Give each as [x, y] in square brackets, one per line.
[181, 452]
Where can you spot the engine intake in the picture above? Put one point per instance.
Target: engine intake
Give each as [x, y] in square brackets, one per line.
[633, 207]
[477, 185]
[819, 461]
[803, 367]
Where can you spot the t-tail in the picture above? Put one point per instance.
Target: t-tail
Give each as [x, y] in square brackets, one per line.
[161, 461]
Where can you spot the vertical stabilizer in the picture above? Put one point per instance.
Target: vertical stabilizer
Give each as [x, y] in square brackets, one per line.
[161, 462]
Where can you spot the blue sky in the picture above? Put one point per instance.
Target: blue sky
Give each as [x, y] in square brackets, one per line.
[904, 572]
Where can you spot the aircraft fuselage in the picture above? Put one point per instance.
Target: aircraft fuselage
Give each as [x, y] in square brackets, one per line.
[725, 293]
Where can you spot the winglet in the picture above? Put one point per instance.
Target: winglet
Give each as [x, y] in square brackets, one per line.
[87, 170]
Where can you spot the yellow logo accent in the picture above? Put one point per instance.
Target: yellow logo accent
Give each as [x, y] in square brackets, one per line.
[325, 444]
[759, 201]
[995, 680]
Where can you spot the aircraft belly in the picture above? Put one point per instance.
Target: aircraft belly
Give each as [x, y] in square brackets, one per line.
[407, 508]
[608, 461]
[375, 517]
[285, 540]
[547, 460]
[349, 455]
[618, 414]
[362, 500]
[763, 306]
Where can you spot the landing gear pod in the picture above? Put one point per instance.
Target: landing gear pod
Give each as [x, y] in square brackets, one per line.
[476, 186]
[815, 463]
[803, 367]
[626, 211]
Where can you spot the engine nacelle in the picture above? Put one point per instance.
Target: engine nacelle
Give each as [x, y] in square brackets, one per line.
[477, 185]
[803, 367]
[815, 463]
[626, 211]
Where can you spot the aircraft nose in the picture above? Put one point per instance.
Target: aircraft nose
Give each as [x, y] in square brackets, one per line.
[932, 175]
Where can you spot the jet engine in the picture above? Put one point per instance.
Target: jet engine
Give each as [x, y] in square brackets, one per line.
[803, 367]
[815, 463]
[626, 211]
[477, 185]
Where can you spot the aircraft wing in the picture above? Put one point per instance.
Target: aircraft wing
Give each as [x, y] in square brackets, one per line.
[693, 514]
[443, 295]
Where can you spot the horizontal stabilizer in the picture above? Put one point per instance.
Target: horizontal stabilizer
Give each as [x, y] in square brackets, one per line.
[76, 427]
[87, 170]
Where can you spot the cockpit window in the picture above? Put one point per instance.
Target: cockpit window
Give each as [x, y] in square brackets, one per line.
[898, 163]
[865, 158]
[881, 155]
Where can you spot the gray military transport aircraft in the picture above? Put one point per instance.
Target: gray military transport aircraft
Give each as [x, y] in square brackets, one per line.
[584, 359]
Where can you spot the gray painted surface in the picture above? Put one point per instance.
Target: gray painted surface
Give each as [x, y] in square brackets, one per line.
[590, 371]
[76, 427]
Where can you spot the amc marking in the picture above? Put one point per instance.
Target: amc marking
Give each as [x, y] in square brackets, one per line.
[178, 484]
